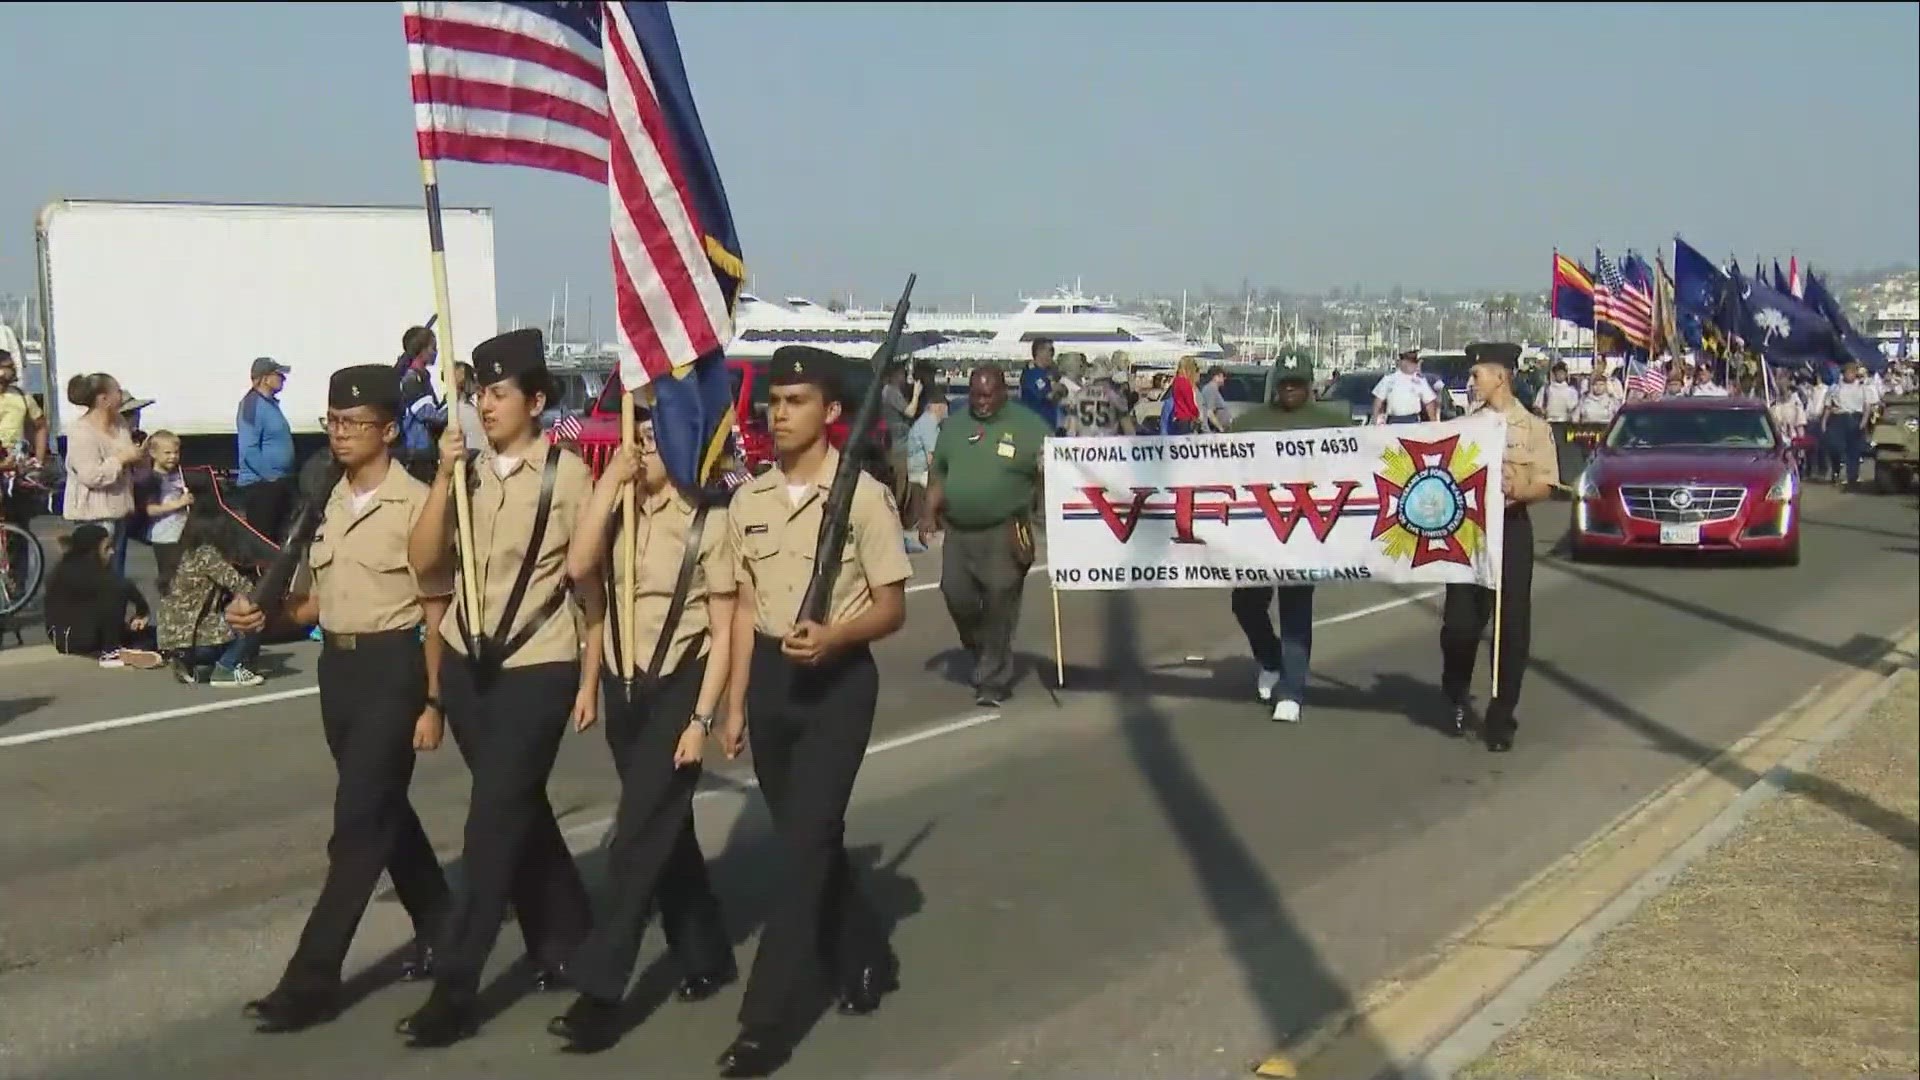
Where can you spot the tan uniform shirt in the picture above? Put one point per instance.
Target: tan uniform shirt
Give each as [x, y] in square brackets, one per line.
[665, 520]
[503, 512]
[357, 568]
[776, 538]
[1530, 444]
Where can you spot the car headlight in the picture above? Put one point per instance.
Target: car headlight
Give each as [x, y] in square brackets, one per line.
[1783, 488]
[1585, 487]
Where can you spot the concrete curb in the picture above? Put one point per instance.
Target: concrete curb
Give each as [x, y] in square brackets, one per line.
[1397, 1024]
[1472, 1039]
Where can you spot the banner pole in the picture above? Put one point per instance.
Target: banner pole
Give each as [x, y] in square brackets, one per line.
[629, 557]
[1059, 655]
[470, 595]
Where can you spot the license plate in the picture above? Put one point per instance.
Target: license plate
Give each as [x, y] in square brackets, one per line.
[1680, 534]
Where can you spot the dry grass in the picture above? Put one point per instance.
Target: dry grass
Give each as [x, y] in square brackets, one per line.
[1788, 951]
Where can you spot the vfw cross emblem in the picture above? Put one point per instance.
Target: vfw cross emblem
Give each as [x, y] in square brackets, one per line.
[1433, 502]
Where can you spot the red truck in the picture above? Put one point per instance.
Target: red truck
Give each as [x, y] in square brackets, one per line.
[599, 427]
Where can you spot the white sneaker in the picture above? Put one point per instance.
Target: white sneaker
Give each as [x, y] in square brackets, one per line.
[1268, 680]
[1287, 712]
[111, 659]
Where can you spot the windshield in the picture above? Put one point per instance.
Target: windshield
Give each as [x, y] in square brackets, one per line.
[1245, 386]
[1741, 429]
[1354, 389]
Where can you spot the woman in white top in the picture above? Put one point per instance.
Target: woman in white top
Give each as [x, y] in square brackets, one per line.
[100, 459]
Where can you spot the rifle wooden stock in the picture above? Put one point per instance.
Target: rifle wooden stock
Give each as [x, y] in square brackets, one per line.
[271, 589]
[836, 517]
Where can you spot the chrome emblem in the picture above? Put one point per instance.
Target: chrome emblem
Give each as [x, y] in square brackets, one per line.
[1680, 499]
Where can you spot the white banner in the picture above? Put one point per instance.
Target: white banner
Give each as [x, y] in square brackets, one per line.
[1417, 503]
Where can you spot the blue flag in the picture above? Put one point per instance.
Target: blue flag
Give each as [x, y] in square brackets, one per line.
[1700, 289]
[1788, 332]
[1853, 345]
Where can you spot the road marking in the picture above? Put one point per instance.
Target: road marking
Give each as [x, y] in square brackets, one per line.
[203, 708]
[739, 784]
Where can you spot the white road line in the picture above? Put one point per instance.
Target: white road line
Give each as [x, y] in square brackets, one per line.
[308, 691]
[599, 826]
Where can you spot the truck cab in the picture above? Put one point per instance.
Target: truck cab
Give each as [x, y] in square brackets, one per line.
[599, 426]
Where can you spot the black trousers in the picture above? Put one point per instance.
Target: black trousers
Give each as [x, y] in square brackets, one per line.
[982, 582]
[509, 733]
[267, 504]
[655, 857]
[809, 730]
[370, 696]
[1464, 619]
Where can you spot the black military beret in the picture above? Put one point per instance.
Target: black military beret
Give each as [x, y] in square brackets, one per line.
[367, 384]
[1504, 353]
[1291, 368]
[794, 364]
[516, 352]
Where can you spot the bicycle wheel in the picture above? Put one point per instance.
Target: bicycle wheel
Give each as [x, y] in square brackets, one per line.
[22, 562]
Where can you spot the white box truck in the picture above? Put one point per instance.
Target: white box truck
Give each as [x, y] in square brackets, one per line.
[176, 299]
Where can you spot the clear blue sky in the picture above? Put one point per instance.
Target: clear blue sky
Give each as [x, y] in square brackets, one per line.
[1001, 148]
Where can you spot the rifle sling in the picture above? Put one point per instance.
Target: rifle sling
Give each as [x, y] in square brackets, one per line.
[689, 561]
[499, 654]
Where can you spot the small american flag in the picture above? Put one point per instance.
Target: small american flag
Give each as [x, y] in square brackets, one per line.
[567, 428]
[1649, 379]
[599, 90]
[1626, 306]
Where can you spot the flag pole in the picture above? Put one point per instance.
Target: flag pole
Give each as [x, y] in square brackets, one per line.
[629, 563]
[470, 597]
[1059, 655]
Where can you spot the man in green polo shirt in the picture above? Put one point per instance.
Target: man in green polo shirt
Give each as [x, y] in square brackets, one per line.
[1283, 659]
[981, 486]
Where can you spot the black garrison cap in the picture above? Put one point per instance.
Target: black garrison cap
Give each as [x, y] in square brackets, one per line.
[1504, 353]
[368, 384]
[794, 364]
[516, 352]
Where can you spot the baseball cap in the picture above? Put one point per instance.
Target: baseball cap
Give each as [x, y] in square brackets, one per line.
[264, 366]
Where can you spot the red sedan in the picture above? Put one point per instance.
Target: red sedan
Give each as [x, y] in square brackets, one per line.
[1690, 474]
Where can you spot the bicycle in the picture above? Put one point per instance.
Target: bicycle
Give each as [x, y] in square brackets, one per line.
[23, 561]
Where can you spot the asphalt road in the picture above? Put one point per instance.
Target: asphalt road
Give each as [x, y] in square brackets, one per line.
[1138, 876]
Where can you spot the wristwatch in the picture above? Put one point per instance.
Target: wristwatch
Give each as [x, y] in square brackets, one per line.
[705, 721]
[434, 703]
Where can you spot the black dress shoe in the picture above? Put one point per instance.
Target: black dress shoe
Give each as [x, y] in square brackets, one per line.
[417, 964]
[589, 1025]
[1499, 741]
[753, 1053]
[286, 1010]
[448, 1017]
[701, 987]
[861, 994]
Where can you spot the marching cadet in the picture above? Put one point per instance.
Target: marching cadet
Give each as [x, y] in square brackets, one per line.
[378, 695]
[509, 687]
[983, 483]
[682, 601]
[806, 694]
[1284, 659]
[1528, 474]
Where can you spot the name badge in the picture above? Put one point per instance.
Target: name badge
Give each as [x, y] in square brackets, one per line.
[752, 530]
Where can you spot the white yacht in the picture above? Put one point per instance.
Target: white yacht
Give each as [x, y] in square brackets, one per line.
[1076, 324]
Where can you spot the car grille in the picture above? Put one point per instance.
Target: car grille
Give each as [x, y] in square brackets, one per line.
[1701, 504]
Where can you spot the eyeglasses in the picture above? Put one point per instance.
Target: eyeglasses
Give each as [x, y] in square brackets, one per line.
[347, 425]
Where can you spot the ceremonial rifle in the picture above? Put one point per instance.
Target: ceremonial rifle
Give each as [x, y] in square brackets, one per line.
[317, 478]
[836, 517]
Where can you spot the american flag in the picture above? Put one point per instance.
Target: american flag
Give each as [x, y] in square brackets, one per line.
[1625, 305]
[599, 90]
[1649, 379]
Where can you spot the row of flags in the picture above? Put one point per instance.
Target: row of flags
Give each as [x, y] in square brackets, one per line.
[1789, 318]
[599, 91]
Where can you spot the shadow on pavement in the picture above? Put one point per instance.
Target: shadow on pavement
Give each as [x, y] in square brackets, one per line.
[1278, 964]
[1890, 534]
[1840, 800]
[1862, 651]
[14, 708]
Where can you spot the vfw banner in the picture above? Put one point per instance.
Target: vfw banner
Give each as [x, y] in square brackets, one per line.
[1417, 503]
